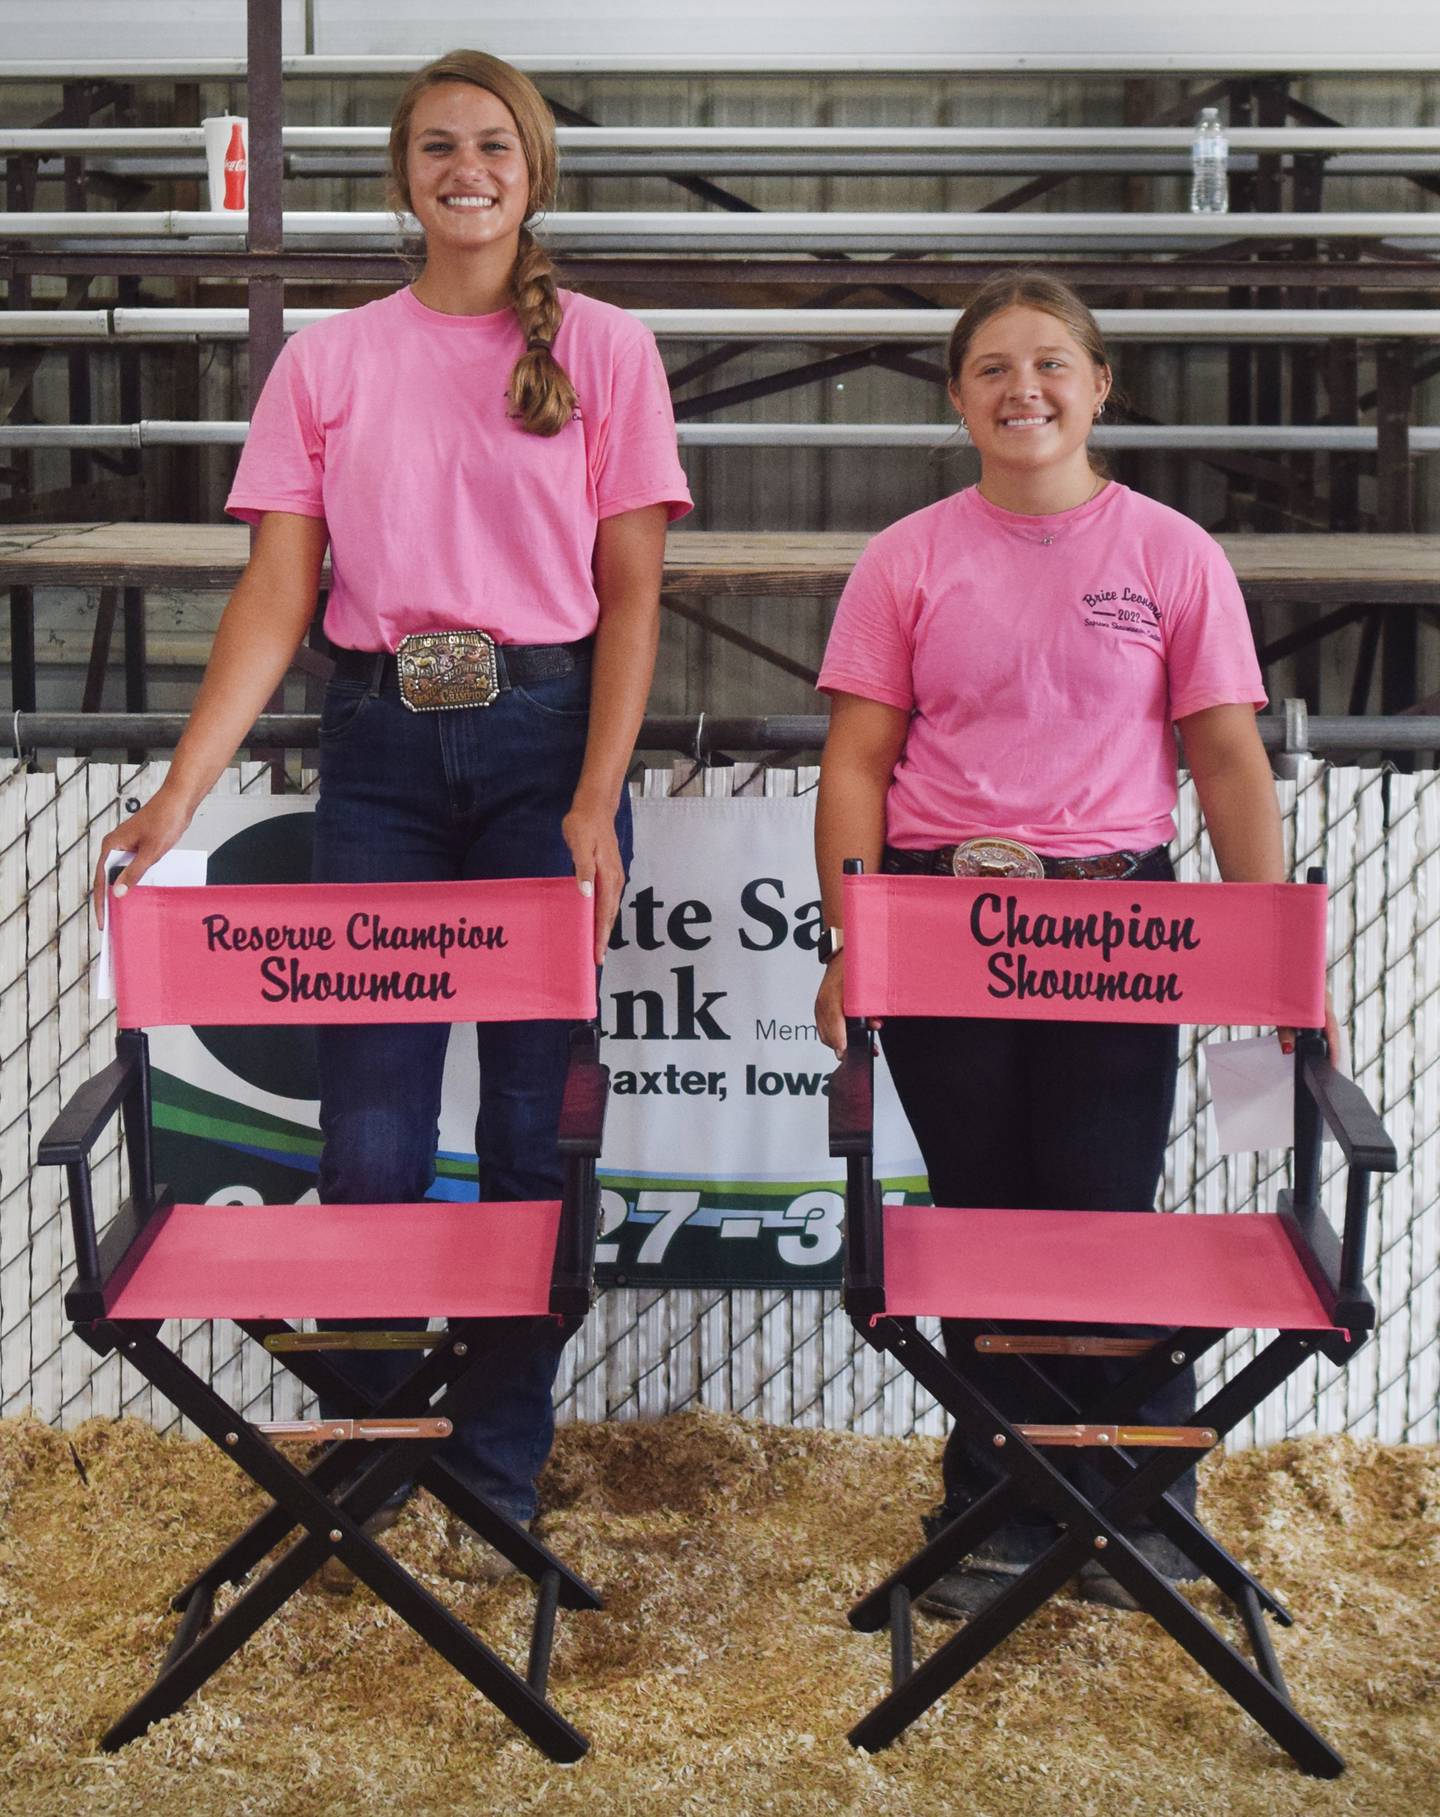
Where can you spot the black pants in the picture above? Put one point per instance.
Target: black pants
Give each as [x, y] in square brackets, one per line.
[1055, 1116]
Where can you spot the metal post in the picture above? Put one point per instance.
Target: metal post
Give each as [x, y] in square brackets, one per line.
[184, 487]
[20, 174]
[1392, 421]
[1395, 395]
[265, 91]
[1342, 386]
[75, 111]
[1240, 392]
[133, 599]
[266, 229]
[1307, 189]
[1270, 360]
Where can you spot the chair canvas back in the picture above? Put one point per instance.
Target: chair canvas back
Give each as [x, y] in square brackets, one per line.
[515, 949]
[1251, 953]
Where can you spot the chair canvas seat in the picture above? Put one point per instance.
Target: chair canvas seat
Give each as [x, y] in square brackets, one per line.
[441, 1259]
[1097, 1267]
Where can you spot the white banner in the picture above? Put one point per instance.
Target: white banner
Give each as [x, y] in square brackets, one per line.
[715, 1165]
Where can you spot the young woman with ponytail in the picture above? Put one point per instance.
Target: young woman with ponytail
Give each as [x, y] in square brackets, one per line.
[482, 453]
[1007, 670]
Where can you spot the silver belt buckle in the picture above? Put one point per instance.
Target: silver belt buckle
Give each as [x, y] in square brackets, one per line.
[442, 669]
[995, 858]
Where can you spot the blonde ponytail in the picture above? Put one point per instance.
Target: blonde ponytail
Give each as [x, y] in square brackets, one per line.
[540, 390]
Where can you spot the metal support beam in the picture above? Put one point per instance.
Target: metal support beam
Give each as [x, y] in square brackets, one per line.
[782, 232]
[922, 324]
[644, 278]
[699, 736]
[697, 615]
[819, 144]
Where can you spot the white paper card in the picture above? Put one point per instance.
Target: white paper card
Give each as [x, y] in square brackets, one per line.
[181, 869]
[1252, 1094]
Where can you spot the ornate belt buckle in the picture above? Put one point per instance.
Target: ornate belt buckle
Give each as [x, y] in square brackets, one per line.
[443, 669]
[995, 858]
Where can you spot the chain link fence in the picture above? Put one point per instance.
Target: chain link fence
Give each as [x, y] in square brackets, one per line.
[789, 1356]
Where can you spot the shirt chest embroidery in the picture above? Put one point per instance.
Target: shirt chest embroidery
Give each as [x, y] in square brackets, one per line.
[1123, 611]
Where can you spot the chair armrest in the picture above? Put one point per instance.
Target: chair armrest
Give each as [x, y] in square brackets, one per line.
[852, 1097]
[587, 1090]
[77, 1128]
[1348, 1113]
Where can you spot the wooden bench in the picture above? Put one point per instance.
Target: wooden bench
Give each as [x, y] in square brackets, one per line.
[1348, 577]
[1273, 570]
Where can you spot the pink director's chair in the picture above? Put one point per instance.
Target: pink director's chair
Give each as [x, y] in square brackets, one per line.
[487, 951]
[1235, 953]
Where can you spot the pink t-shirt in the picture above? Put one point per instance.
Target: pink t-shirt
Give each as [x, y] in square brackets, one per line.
[391, 422]
[1042, 661]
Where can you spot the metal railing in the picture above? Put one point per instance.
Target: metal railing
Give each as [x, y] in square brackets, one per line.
[1272, 438]
[783, 232]
[925, 327]
[1291, 733]
[874, 151]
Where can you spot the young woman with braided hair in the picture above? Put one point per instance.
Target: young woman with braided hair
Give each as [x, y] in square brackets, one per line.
[482, 453]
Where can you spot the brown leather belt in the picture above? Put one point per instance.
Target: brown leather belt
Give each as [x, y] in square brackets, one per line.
[1008, 858]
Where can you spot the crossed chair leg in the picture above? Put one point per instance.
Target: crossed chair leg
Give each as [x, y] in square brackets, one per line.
[330, 1503]
[1089, 1530]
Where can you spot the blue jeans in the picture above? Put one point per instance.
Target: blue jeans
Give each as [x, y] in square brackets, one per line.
[411, 797]
[1062, 1116]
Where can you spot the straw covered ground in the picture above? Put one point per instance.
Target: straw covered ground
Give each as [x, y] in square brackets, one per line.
[722, 1676]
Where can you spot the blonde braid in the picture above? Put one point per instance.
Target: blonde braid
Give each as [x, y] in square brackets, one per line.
[540, 389]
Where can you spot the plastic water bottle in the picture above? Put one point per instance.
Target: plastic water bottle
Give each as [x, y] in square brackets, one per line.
[1209, 155]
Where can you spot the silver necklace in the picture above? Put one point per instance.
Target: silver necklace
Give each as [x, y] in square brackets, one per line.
[1094, 491]
[1049, 537]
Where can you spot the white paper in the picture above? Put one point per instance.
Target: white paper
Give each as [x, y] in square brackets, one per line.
[1252, 1094]
[183, 868]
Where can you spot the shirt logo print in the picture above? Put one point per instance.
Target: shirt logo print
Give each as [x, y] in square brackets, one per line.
[1125, 610]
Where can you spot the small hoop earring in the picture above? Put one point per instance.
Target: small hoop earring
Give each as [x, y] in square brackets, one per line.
[1099, 412]
[964, 426]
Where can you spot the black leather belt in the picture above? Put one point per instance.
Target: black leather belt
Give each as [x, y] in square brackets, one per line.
[515, 663]
[1112, 865]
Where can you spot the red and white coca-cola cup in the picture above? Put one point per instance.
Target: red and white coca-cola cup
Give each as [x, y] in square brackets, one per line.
[227, 160]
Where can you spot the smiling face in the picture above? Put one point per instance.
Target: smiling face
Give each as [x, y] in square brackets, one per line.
[468, 183]
[1029, 392]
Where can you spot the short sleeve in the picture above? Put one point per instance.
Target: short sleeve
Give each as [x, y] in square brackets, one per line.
[1210, 652]
[282, 466]
[633, 454]
[871, 647]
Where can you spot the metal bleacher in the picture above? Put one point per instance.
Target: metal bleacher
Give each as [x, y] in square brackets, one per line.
[1321, 325]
